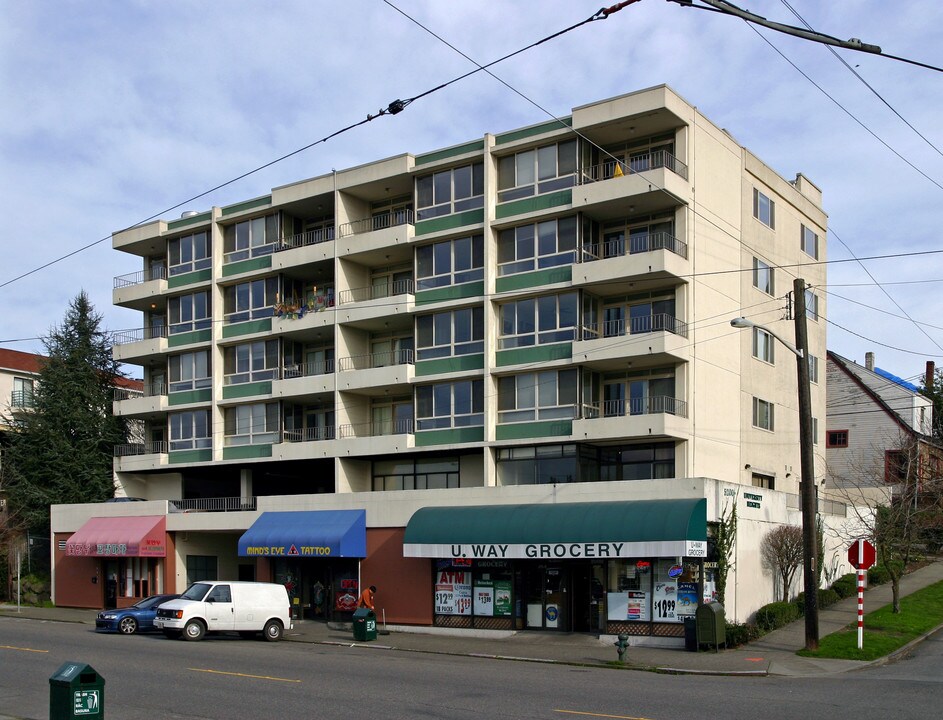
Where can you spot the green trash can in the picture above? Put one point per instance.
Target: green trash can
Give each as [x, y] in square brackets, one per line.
[365, 624]
[76, 691]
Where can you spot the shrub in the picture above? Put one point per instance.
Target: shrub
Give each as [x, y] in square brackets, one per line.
[824, 597]
[846, 585]
[878, 575]
[775, 615]
[740, 634]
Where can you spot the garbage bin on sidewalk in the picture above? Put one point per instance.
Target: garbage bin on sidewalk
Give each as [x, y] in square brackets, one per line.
[76, 691]
[365, 624]
[690, 633]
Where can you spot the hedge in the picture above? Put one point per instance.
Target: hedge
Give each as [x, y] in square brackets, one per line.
[775, 615]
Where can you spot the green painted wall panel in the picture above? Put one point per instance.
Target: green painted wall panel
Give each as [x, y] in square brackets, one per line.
[521, 431]
[184, 222]
[450, 222]
[538, 278]
[247, 205]
[185, 457]
[459, 363]
[531, 131]
[189, 278]
[189, 338]
[189, 397]
[475, 145]
[450, 437]
[540, 353]
[242, 390]
[452, 292]
[247, 328]
[250, 265]
[247, 452]
[534, 204]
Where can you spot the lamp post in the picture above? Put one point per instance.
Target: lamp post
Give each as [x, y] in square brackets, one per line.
[807, 461]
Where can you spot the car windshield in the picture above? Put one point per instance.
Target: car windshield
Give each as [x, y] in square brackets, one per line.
[196, 591]
[153, 601]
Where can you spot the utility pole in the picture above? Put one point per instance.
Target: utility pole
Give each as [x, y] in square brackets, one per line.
[807, 489]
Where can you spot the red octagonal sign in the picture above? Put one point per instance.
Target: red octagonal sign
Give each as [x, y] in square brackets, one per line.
[861, 554]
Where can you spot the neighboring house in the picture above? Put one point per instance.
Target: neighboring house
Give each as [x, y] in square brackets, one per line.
[496, 380]
[875, 421]
[19, 373]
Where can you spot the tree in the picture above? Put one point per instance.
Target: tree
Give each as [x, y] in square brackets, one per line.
[725, 539]
[781, 551]
[61, 449]
[934, 392]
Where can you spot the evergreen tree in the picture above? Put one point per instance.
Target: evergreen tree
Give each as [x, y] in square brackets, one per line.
[935, 393]
[61, 449]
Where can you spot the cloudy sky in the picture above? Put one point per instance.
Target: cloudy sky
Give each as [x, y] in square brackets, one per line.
[114, 111]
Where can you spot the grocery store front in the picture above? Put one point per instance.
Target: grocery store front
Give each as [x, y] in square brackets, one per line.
[602, 567]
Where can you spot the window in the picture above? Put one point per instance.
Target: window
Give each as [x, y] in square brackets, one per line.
[639, 236]
[550, 395]
[251, 362]
[764, 209]
[448, 405]
[392, 417]
[434, 473]
[189, 312]
[642, 317]
[252, 424]
[448, 334]
[763, 277]
[762, 414]
[836, 439]
[22, 393]
[895, 466]
[305, 423]
[451, 262]
[190, 371]
[250, 238]
[201, 567]
[637, 462]
[250, 300]
[764, 481]
[538, 171]
[190, 430]
[813, 369]
[537, 465]
[809, 241]
[188, 253]
[450, 191]
[811, 305]
[763, 346]
[641, 396]
[542, 320]
[815, 431]
[534, 247]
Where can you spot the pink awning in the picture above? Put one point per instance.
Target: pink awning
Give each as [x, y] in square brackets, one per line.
[143, 536]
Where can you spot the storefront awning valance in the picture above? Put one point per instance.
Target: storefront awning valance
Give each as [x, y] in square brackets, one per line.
[307, 534]
[643, 528]
[143, 536]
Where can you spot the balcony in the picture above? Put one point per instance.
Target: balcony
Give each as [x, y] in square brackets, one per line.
[644, 185]
[140, 457]
[225, 504]
[306, 444]
[390, 369]
[387, 230]
[651, 340]
[151, 401]
[22, 400]
[654, 416]
[655, 257]
[384, 221]
[140, 289]
[139, 343]
[312, 246]
[371, 307]
[305, 381]
[378, 438]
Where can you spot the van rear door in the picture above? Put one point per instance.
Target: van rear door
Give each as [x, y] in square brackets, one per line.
[219, 608]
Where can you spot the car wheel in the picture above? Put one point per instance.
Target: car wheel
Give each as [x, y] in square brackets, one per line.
[127, 626]
[194, 630]
[272, 631]
[172, 634]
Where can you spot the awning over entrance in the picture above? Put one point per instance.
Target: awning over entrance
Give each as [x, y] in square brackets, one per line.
[309, 534]
[643, 528]
[143, 536]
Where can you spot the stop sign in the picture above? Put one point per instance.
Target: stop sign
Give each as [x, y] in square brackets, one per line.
[865, 551]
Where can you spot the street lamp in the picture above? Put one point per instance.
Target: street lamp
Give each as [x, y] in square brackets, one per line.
[807, 483]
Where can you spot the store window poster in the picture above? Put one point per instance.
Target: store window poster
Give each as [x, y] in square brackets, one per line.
[453, 592]
[665, 602]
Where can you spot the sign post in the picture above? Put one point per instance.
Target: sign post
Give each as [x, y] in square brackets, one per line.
[861, 555]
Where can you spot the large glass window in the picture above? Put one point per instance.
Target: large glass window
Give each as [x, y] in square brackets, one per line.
[448, 405]
[250, 238]
[190, 371]
[548, 395]
[642, 395]
[450, 262]
[763, 277]
[447, 334]
[637, 462]
[809, 241]
[542, 320]
[764, 208]
[435, 473]
[537, 465]
[537, 171]
[763, 345]
[811, 305]
[189, 253]
[252, 424]
[250, 300]
[22, 393]
[533, 247]
[251, 362]
[189, 312]
[641, 317]
[190, 430]
[763, 414]
[450, 191]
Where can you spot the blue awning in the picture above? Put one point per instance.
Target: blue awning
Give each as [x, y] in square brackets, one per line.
[308, 534]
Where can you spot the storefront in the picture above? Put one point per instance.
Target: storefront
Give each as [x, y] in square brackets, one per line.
[316, 554]
[633, 566]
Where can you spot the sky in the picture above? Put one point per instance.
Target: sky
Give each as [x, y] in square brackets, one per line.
[117, 111]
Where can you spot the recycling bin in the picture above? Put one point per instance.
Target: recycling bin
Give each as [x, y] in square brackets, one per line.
[365, 624]
[76, 691]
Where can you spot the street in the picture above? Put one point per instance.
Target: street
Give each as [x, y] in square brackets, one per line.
[150, 677]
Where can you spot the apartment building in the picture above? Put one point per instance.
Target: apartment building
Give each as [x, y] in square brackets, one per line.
[496, 380]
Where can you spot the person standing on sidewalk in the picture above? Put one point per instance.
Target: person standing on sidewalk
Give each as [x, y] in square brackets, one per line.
[366, 598]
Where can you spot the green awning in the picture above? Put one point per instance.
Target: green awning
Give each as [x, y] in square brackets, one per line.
[641, 528]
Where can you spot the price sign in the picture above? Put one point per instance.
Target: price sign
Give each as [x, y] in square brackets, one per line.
[665, 602]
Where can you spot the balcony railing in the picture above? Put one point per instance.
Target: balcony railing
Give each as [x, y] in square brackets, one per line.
[376, 429]
[637, 164]
[309, 237]
[635, 244]
[308, 369]
[403, 216]
[157, 272]
[22, 399]
[376, 360]
[226, 504]
[149, 390]
[384, 290]
[309, 434]
[653, 405]
[123, 337]
[158, 447]
[637, 325]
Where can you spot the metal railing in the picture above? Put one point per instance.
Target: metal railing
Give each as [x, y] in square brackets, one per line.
[633, 245]
[308, 369]
[123, 337]
[825, 506]
[637, 164]
[157, 272]
[403, 216]
[149, 390]
[22, 399]
[309, 434]
[376, 429]
[385, 290]
[637, 325]
[649, 405]
[369, 361]
[158, 447]
[309, 237]
[226, 504]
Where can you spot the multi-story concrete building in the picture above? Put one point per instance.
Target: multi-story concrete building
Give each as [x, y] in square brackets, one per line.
[496, 380]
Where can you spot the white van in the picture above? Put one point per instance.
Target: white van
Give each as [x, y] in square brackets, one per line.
[227, 606]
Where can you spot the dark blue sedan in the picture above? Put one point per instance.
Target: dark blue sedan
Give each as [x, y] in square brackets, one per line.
[129, 620]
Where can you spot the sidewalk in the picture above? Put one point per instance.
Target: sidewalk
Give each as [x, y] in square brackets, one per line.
[773, 654]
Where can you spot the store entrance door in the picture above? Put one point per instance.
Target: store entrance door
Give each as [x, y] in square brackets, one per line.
[546, 597]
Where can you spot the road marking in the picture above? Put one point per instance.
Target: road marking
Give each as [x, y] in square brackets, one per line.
[13, 647]
[592, 714]
[236, 674]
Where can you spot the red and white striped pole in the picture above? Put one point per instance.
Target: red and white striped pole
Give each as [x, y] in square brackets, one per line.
[860, 608]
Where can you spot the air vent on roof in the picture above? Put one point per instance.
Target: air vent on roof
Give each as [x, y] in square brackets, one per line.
[188, 214]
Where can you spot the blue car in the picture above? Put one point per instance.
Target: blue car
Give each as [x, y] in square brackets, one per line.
[129, 620]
